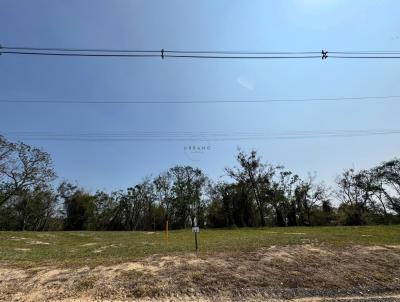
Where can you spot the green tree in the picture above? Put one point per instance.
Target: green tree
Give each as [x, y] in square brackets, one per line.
[79, 206]
[22, 168]
[188, 188]
[251, 172]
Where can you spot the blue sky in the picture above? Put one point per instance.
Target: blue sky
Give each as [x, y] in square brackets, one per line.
[297, 25]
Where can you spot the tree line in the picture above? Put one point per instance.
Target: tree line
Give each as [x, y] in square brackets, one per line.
[253, 194]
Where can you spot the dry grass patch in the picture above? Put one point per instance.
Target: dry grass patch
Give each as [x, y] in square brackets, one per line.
[279, 272]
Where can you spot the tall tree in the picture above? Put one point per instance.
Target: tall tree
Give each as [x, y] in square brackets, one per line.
[79, 206]
[251, 171]
[188, 187]
[163, 185]
[22, 168]
[388, 175]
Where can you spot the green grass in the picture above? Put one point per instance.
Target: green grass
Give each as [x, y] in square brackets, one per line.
[70, 248]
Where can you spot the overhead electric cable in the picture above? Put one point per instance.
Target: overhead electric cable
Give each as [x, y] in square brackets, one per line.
[66, 49]
[210, 101]
[133, 55]
[139, 55]
[364, 57]
[196, 54]
[366, 52]
[106, 50]
[194, 136]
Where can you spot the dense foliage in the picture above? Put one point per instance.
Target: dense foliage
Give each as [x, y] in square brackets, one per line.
[254, 194]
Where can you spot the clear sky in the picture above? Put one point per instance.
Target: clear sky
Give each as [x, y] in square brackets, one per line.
[297, 25]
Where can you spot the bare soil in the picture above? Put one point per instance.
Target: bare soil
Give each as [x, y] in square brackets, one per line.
[308, 272]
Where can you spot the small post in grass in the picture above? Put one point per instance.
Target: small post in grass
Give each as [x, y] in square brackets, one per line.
[166, 232]
[195, 230]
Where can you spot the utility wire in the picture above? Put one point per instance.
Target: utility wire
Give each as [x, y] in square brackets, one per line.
[222, 101]
[361, 52]
[244, 52]
[196, 54]
[365, 57]
[188, 56]
[78, 49]
[78, 54]
[194, 136]
[107, 50]
[137, 55]
[192, 56]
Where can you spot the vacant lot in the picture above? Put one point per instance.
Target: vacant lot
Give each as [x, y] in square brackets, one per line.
[270, 264]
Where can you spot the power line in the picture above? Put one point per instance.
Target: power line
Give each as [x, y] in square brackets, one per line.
[240, 57]
[196, 54]
[365, 57]
[193, 136]
[136, 55]
[191, 56]
[78, 49]
[108, 50]
[78, 54]
[361, 52]
[241, 52]
[222, 101]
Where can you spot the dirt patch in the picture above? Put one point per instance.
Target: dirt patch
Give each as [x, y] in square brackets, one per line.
[46, 235]
[393, 246]
[318, 250]
[374, 248]
[300, 273]
[89, 244]
[37, 242]
[18, 238]
[103, 248]
[274, 254]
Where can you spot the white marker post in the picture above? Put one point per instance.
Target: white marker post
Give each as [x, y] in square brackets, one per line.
[195, 230]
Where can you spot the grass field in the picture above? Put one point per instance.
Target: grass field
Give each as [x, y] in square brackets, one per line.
[266, 264]
[92, 248]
